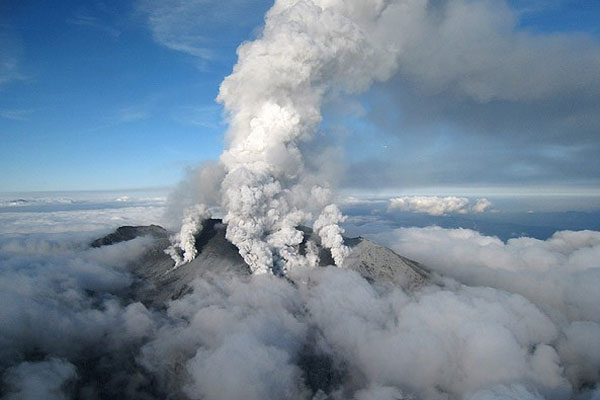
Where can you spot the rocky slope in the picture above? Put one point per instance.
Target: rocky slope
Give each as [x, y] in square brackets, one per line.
[159, 282]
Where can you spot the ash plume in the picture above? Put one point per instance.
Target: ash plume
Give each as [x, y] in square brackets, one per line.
[308, 52]
[183, 247]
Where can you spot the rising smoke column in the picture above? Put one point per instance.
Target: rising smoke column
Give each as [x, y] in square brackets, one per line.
[308, 51]
[183, 244]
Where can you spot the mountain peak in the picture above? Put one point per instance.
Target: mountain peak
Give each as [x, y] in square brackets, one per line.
[159, 282]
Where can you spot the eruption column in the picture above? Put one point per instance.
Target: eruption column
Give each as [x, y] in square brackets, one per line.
[309, 51]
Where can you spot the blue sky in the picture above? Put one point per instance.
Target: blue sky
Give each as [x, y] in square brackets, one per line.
[110, 95]
[98, 103]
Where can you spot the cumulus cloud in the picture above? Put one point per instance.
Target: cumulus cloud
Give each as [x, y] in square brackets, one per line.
[560, 275]
[561, 271]
[481, 205]
[434, 205]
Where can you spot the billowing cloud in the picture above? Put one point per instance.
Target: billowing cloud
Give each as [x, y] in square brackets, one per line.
[434, 205]
[60, 307]
[498, 320]
[201, 185]
[561, 272]
[183, 249]
[527, 326]
[481, 205]
[560, 275]
[273, 101]
[476, 49]
[472, 51]
[277, 340]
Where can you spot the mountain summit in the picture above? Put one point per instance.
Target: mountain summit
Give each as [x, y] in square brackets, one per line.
[160, 282]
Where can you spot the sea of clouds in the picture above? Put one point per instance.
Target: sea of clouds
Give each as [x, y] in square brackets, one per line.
[501, 320]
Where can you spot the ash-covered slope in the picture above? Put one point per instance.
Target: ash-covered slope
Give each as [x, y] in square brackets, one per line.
[160, 282]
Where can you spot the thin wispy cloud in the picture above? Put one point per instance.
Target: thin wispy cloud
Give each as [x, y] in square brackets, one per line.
[11, 69]
[197, 27]
[200, 116]
[178, 26]
[15, 114]
[139, 110]
[86, 20]
[132, 114]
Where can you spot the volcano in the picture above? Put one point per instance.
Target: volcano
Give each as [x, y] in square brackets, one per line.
[159, 282]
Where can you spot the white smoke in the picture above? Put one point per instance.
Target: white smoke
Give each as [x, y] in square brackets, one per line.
[330, 232]
[308, 52]
[201, 185]
[273, 99]
[183, 244]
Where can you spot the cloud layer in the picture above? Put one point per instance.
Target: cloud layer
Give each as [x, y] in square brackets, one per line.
[561, 272]
[79, 211]
[63, 318]
[526, 327]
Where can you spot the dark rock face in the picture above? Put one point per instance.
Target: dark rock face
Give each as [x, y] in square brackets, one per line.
[380, 264]
[125, 233]
[159, 282]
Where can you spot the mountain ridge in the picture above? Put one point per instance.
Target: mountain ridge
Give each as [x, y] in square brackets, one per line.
[159, 282]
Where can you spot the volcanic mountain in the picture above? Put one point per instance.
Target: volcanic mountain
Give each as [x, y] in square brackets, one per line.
[159, 281]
